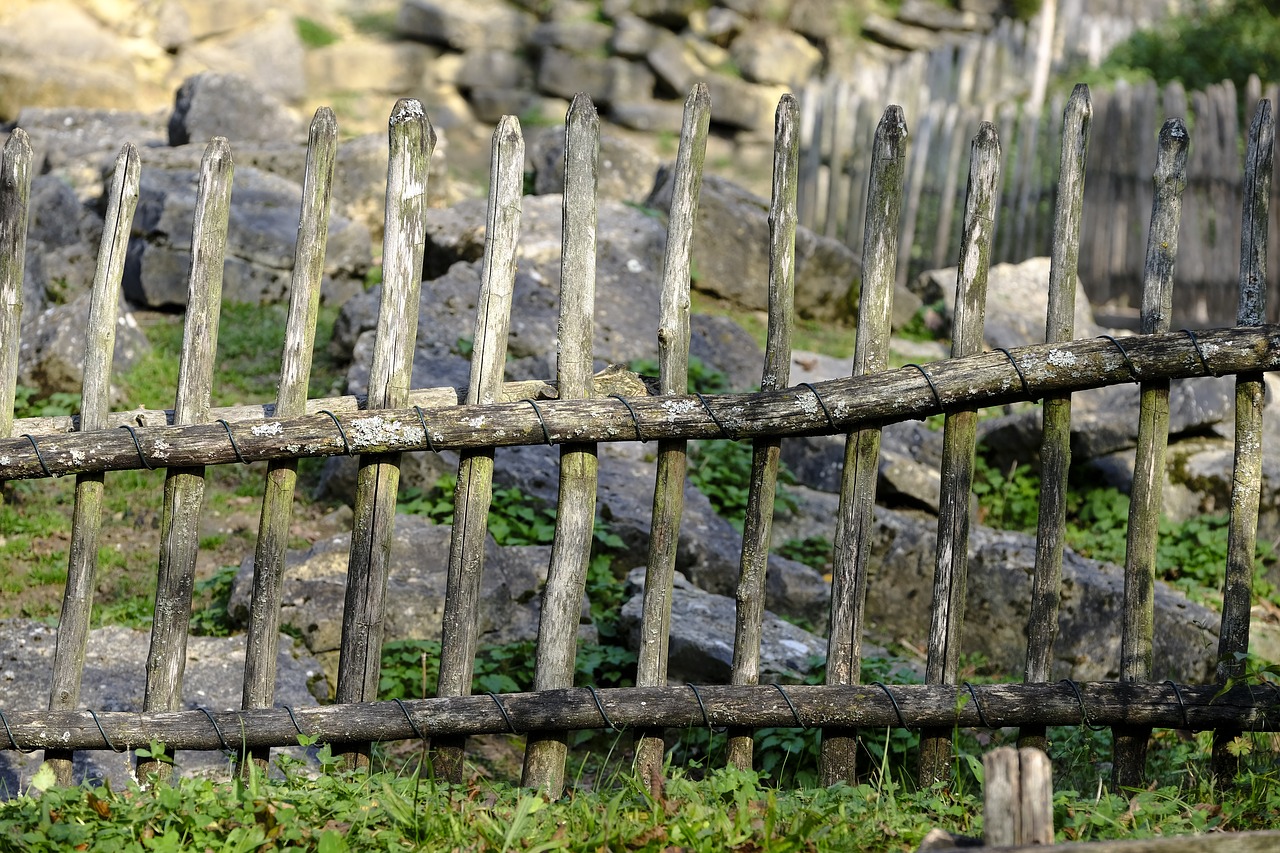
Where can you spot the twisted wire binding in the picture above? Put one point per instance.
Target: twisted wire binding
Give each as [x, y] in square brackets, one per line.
[226, 747]
[831, 422]
[9, 733]
[138, 446]
[794, 713]
[1084, 715]
[111, 746]
[701, 707]
[426, 433]
[1026, 389]
[412, 725]
[1133, 371]
[1177, 691]
[39, 457]
[239, 456]
[894, 701]
[934, 388]
[635, 420]
[982, 717]
[502, 711]
[542, 423]
[600, 707]
[346, 443]
[1204, 362]
[294, 720]
[711, 414]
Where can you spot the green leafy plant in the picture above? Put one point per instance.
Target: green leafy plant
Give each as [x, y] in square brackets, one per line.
[27, 403]
[314, 34]
[721, 470]
[213, 619]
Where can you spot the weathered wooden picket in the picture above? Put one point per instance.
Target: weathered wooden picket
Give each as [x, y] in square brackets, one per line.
[394, 419]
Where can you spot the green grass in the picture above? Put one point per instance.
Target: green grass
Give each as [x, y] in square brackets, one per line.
[314, 34]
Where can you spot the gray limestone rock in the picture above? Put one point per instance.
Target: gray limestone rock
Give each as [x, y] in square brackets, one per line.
[210, 104]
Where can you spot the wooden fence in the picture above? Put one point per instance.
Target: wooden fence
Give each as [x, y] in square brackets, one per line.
[395, 419]
[950, 90]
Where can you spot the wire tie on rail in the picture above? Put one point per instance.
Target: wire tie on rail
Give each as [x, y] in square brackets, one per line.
[545, 435]
[1026, 389]
[1084, 715]
[600, 707]
[634, 419]
[982, 717]
[711, 414]
[39, 457]
[1177, 691]
[701, 707]
[346, 443]
[426, 433]
[111, 746]
[927, 378]
[1133, 371]
[9, 732]
[222, 740]
[502, 711]
[412, 725]
[231, 438]
[831, 422]
[294, 720]
[1204, 362]
[892, 699]
[791, 705]
[142, 457]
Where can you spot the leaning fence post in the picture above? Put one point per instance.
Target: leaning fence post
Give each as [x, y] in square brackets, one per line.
[951, 562]
[575, 517]
[673, 364]
[1146, 496]
[95, 401]
[474, 491]
[1246, 482]
[411, 140]
[184, 487]
[263, 641]
[15, 195]
[1055, 441]
[757, 527]
[855, 520]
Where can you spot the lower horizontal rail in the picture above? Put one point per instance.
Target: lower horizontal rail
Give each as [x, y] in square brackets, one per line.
[1064, 703]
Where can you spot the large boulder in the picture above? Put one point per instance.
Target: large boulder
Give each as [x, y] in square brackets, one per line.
[489, 24]
[315, 585]
[261, 237]
[767, 54]
[115, 680]
[211, 104]
[731, 253]
[51, 355]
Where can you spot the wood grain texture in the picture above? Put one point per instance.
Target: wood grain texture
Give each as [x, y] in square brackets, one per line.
[263, 637]
[862, 447]
[184, 486]
[86, 518]
[757, 527]
[15, 196]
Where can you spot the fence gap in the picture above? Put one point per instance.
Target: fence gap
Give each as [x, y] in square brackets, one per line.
[673, 378]
[757, 526]
[1146, 495]
[1246, 480]
[474, 491]
[546, 752]
[184, 486]
[411, 140]
[855, 519]
[958, 443]
[1055, 440]
[95, 401]
[262, 642]
[15, 196]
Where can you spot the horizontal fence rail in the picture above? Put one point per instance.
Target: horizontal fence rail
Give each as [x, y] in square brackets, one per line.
[819, 408]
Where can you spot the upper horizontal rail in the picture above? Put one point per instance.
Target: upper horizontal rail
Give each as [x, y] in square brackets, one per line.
[834, 406]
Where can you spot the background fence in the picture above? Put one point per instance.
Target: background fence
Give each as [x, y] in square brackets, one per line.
[1001, 77]
[395, 419]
